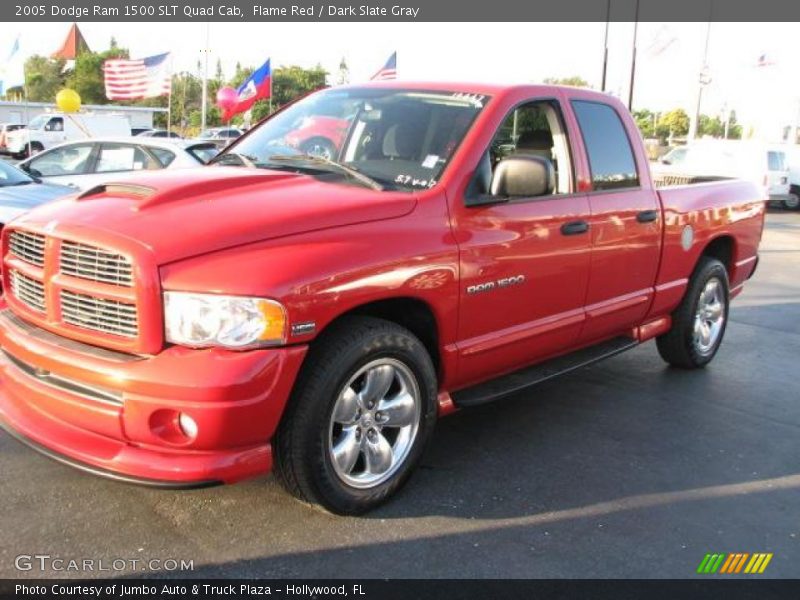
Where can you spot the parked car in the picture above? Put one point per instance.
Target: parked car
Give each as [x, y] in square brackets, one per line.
[86, 163]
[159, 133]
[140, 130]
[314, 316]
[6, 128]
[319, 135]
[221, 136]
[48, 130]
[19, 192]
[710, 160]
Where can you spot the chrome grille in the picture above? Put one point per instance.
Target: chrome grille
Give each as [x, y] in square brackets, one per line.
[88, 262]
[99, 314]
[27, 290]
[27, 246]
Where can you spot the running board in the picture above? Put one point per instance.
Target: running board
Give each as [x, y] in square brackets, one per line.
[524, 378]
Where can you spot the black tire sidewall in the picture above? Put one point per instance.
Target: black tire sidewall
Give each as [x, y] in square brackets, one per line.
[384, 341]
[708, 270]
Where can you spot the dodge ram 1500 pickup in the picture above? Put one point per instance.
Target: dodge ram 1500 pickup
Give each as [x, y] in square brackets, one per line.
[314, 314]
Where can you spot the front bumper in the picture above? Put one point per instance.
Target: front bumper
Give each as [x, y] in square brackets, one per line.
[115, 415]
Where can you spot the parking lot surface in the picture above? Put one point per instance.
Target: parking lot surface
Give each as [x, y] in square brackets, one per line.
[624, 469]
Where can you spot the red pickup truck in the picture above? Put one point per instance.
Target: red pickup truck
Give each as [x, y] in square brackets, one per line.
[314, 316]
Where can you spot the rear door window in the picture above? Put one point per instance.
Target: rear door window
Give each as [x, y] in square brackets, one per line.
[607, 145]
[123, 157]
[776, 161]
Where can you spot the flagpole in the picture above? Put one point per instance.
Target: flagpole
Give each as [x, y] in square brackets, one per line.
[169, 100]
[204, 101]
[270, 85]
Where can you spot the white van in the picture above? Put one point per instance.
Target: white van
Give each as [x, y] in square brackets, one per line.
[706, 160]
[45, 131]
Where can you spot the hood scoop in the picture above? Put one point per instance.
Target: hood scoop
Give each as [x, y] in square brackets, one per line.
[117, 189]
[173, 187]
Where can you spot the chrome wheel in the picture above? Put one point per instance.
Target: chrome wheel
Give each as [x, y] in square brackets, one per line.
[374, 423]
[709, 317]
[320, 149]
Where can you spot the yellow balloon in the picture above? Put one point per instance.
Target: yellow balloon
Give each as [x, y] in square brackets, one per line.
[68, 101]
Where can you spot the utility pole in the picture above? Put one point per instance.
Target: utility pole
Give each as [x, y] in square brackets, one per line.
[633, 56]
[703, 81]
[204, 101]
[605, 47]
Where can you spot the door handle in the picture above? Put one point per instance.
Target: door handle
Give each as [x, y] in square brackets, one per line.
[574, 228]
[647, 216]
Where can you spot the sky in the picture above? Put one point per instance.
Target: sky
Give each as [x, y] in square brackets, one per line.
[669, 57]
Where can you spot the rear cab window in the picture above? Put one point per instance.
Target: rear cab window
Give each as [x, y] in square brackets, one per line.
[607, 144]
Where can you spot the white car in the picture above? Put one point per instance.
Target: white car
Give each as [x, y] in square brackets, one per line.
[87, 163]
[48, 130]
[763, 164]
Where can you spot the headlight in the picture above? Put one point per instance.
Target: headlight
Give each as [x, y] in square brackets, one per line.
[202, 320]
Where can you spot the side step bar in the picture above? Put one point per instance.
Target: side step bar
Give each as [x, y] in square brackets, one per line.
[524, 378]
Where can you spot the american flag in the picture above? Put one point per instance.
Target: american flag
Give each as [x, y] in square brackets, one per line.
[136, 78]
[388, 71]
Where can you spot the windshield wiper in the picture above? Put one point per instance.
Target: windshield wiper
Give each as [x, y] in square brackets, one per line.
[244, 160]
[321, 160]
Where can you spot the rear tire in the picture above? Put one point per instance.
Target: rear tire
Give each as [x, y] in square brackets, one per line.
[793, 201]
[361, 414]
[698, 324]
[319, 146]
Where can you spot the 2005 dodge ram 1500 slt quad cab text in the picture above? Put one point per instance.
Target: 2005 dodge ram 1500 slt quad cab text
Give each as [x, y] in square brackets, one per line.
[313, 311]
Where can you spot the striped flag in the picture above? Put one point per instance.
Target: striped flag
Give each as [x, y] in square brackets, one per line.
[388, 71]
[134, 79]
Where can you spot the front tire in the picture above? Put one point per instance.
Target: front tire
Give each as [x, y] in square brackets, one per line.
[362, 412]
[698, 324]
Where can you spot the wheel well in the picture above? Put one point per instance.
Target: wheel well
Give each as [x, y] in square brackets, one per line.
[414, 315]
[721, 248]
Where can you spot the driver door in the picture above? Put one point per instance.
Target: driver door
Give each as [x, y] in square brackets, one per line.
[525, 260]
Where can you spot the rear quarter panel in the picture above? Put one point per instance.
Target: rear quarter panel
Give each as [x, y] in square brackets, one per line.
[705, 212]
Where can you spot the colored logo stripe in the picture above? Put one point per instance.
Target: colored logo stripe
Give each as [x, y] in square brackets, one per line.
[734, 562]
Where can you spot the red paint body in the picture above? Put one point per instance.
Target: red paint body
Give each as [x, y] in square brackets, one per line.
[324, 249]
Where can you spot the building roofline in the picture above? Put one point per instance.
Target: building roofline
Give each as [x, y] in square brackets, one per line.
[103, 107]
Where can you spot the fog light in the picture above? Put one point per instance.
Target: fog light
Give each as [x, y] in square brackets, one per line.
[188, 425]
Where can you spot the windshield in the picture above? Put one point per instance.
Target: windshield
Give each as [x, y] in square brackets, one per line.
[38, 122]
[12, 176]
[401, 139]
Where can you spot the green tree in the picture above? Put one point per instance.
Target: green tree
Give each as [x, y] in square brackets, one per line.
[44, 77]
[646, 121]
[574, 81]
[288, 84]
[87, 76]
[674, 123]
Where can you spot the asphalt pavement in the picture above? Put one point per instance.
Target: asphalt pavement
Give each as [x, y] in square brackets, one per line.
[624, 469]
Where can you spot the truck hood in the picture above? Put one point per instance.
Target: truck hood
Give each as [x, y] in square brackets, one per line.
[189, 212]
